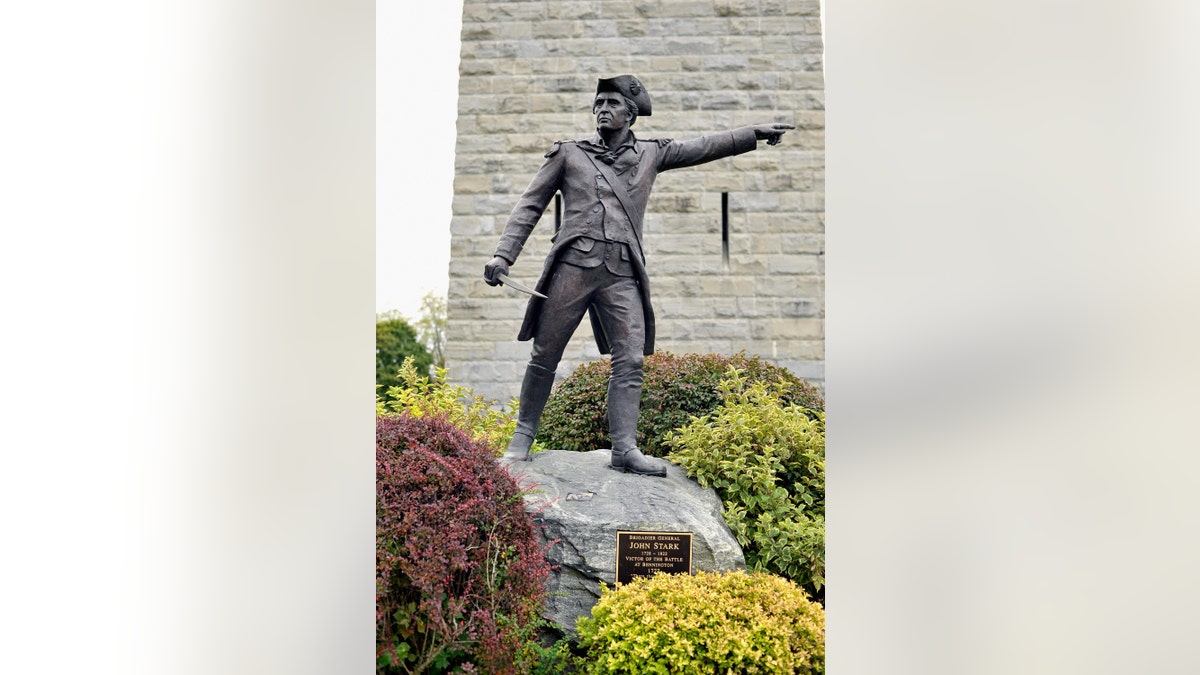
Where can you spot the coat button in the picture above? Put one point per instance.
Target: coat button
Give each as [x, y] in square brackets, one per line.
[596, 209]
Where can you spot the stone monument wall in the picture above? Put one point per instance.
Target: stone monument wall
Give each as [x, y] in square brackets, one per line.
[734, 248]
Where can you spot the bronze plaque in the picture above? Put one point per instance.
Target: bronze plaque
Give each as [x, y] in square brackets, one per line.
[641, 554]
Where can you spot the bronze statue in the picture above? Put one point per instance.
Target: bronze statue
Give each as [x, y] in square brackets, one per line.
[596, 264]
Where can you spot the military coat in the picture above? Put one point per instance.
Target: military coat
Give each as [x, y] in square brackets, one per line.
[605, 192]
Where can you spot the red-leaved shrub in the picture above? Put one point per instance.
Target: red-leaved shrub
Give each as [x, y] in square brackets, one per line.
[459, 572]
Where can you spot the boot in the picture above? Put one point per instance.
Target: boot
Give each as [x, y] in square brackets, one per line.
[535, 390]
[633, 461]
[518, 448]
[624, 400]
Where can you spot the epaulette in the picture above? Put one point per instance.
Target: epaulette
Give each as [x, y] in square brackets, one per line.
[662, 142]
[554, 150]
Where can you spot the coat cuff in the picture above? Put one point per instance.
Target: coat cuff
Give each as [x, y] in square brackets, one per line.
[744, 140]
[507, 250]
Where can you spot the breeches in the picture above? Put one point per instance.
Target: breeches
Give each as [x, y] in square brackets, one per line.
[619, 305]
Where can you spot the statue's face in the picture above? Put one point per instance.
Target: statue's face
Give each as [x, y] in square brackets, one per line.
[610, 111]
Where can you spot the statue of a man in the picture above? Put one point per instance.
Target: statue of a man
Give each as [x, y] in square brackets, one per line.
[596, 264]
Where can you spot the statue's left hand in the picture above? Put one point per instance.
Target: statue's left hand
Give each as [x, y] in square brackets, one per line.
[773, 133]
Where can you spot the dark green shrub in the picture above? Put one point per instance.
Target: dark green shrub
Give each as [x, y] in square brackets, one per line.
[676, 388]
[396, 340]
[766, 460]
[707, 623]
[459, 572]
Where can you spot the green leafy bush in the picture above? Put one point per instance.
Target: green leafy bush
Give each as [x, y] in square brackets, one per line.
[459, 572]
[675, 389]
[765, 457]
[707, 623]
[395, 341]
[556, 659]
[419, 396]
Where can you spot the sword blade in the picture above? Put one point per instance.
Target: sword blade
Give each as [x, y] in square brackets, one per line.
[517, 285]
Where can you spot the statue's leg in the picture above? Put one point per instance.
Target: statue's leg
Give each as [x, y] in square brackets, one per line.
[535, 391]
[567, 298]
[620, 307]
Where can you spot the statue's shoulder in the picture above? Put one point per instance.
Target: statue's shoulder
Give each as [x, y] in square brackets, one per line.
[660, 142]
[558, 146]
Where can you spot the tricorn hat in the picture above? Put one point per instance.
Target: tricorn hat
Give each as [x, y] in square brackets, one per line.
[629, 87]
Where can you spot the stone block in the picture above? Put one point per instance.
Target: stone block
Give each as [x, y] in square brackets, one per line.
[765, 243]
[689, 45]
[694, 244]
[764, 100]
[805, 222]
[474, 31]
[801, 264]
[703, 330]
[726, 61]
[811, 370]
[492, 49]
[574, 10]
[803, 7]
[736, 7]
[802, 243]
[558, 28]
[683, 8]
[722, 308]
[604, 28]
[751, 307]
[801, 307]
[472, 184]
[723, 286]
[722, 181]
[687, 265]
[773, 7]
[632, 28]
[549, 103]
[789, 286]
[685, 308]
[476, 67]
[795, 328]
[747, 264]
[744, 46]
[471, 225]
[669, 329]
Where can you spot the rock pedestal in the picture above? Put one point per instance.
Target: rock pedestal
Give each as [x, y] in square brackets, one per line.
[579, 503]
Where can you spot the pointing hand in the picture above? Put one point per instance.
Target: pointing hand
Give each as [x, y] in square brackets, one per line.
[773, 133]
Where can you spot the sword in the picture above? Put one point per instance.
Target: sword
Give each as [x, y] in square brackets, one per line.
[517, 285]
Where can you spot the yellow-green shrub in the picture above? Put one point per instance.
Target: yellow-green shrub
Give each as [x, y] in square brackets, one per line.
[766, 460]
[711, 622]
[419, 396]
[677, 387]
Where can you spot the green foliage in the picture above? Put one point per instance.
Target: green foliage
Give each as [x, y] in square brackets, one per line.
[766, 460]
[675, 389]
[575, 414]
[419, 396]
[557, 659]
[707, 623]
[395, 341]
